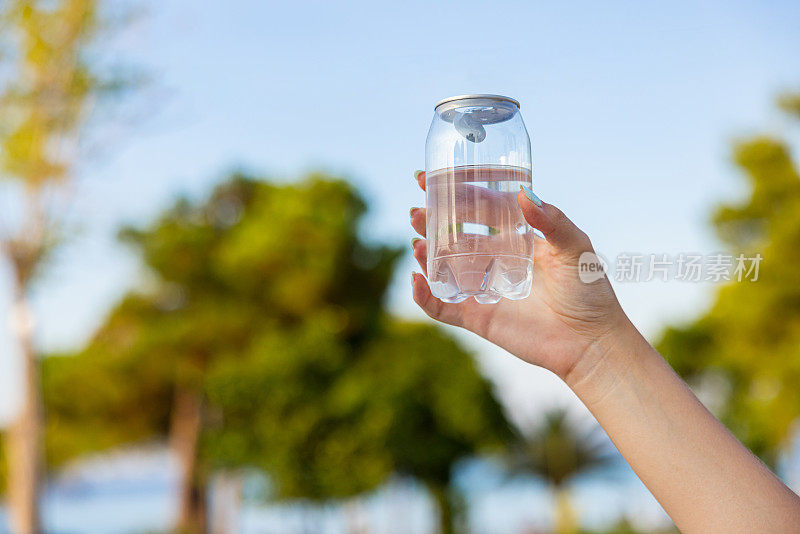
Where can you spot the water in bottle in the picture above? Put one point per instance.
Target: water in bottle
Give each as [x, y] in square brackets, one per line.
[479, 245]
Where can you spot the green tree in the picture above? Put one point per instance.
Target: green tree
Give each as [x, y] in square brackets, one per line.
[2, 468]
[745, 351]
[262, 341]
[442, 411]
[412, 402]
[558, 452]
[45, 92]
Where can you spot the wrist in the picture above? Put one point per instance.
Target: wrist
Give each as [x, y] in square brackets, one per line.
[609, 356]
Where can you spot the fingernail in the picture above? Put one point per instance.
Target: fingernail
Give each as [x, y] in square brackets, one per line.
[530, 194]
[411, 212]
[413, 277]
[416, 174]
[414, 241]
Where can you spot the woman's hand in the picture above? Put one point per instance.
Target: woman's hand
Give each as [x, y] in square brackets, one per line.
[705, 479]
[563, 321]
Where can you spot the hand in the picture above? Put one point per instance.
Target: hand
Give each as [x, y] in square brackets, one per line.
[561, 321]
[705, 480]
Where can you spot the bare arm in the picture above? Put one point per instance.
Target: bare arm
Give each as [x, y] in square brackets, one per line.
[704, 478]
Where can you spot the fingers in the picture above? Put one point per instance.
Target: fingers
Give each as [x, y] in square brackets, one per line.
[419, 215]
[491, 208]
[436, 309]
[420, 177]
[419, 248]
[559, 231]
[418, 220]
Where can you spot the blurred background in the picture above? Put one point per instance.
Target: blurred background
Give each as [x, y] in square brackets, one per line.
[207, 321]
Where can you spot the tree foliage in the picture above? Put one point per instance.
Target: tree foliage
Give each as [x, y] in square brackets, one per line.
[42, 107]
[557, 451]
[746, 349]
[265, 303]
[3, 468]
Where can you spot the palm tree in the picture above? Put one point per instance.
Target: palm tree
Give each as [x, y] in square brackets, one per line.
[558, 451]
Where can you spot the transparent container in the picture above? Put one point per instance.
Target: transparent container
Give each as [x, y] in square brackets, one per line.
[477, 154]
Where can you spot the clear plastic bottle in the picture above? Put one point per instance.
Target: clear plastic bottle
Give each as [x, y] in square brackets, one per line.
[477, 154]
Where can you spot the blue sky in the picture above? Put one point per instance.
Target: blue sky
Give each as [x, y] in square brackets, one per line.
[631, 109]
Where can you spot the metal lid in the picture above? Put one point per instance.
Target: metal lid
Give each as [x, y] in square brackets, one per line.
[470, 113]
[491, 98]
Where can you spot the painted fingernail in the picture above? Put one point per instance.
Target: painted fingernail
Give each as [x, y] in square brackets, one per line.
[530, 194]
[416, 174]
[411, 212]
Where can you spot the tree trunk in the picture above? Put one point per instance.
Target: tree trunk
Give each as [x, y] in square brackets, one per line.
[566, 518]
[23, 437]
[447, 512]
[185, 428]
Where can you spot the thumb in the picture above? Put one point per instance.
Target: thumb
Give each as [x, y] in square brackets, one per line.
[551, 221]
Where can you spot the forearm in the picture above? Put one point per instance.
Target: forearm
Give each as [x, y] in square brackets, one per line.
[702, 476]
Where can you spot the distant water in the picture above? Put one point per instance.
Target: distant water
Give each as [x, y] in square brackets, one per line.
[133, 492]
